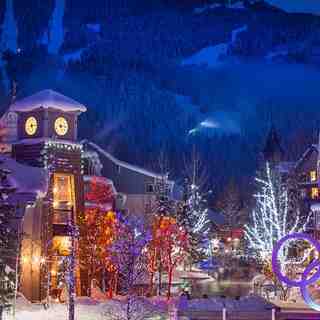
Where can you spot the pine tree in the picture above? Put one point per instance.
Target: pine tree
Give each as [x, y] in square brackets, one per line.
[8, 244]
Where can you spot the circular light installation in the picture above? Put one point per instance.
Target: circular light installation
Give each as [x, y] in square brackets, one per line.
[305, 280]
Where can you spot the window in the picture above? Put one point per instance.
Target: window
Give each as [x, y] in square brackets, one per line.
[314, 193]
[62, 245]
[63, 197]
[150, 188]
[313, 176]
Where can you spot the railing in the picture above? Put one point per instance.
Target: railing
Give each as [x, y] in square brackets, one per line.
[228, 315]
[245, 315]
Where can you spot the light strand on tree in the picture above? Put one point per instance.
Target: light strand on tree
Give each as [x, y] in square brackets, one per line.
[270, 219]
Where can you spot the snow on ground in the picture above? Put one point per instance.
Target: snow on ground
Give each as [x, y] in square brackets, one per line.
[86, 309]
[302, 6]
[207, 57]
[73, 56]
[213, 56]
[277, 52]
[237, 6]
[236, 32]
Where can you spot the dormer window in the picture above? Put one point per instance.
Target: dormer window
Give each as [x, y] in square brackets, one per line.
[313, 176]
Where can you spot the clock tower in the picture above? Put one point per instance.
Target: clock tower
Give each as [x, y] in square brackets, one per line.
[47, 138]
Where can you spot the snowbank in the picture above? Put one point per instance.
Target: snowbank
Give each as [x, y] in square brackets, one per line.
[86, 309]
[25, 178]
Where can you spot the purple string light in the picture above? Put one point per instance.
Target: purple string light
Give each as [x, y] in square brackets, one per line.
[305, 281]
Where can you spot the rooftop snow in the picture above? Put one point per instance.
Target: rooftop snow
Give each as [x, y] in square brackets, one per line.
[25, 178]
[47, 99]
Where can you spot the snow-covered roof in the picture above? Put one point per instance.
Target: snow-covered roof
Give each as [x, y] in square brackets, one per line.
[315, 207]
[122, 163]
[47, 99]
[310, 149]
[25, 178]
[286, 166]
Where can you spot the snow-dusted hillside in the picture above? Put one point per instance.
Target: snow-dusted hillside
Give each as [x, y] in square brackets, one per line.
[301, 6]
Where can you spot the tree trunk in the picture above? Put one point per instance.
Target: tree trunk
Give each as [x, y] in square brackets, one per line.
[170, 273]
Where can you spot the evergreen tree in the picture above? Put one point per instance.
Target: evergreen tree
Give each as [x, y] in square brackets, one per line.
[8, 244]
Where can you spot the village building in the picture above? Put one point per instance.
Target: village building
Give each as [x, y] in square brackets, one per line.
[55, 176]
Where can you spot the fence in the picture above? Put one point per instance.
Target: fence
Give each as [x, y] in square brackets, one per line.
[242, 315]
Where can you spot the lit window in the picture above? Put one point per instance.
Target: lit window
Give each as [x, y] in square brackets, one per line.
[62, 245]
[314, 193]
[313, 175]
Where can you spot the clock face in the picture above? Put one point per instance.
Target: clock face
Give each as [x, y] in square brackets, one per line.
[61, 126]
[31, 126]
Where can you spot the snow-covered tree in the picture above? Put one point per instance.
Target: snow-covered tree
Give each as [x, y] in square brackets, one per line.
[56, 31]
[8, 244]
[272, 218]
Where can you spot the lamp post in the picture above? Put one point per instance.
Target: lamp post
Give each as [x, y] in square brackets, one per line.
[72, 233]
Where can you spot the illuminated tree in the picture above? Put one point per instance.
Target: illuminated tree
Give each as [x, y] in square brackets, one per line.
[167, 249]
[8, 245]
[130, 259]
[192, 216]
[273, 218]
[100, 227]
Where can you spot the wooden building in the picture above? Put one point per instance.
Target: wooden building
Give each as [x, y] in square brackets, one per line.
[136, 187]
[54, 174]
[43, 135]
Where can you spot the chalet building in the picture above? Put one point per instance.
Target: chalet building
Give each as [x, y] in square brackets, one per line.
[136, 187]
[304, 172]
[55, 177]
